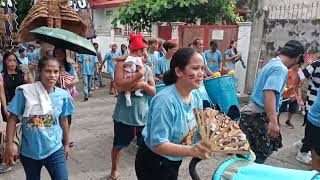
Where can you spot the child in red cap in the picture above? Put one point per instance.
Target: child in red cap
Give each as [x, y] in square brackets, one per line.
[134, 62]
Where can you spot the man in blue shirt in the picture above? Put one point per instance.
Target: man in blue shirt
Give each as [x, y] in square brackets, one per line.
[213, 57]
[88, 64]
[259, 117]
[34, 57]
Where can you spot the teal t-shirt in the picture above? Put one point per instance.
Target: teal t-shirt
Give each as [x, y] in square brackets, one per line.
[24, 61]
[110, 63]
[273, 76]
[171, 120]
[163, 65]
[135, 115]
[314, 111]
[152, 61]
[42, 136]
[34, 57]
[213, 60]
[88, 62]
[230, 65]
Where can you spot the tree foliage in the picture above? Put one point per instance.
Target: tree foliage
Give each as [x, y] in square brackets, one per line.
[23, 7]
[139, 14]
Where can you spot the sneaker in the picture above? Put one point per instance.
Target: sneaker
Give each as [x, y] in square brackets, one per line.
[92, 89]
[86, 99]
[304, 158]
[4, 168]
[288, 125]
[96, 87]
[298, 145]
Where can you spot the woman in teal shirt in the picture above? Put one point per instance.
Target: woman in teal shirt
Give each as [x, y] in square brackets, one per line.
[171, 125]
[45, 137]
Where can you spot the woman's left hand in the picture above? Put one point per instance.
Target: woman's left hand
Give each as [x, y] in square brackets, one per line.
[139, 85]
[66, 151]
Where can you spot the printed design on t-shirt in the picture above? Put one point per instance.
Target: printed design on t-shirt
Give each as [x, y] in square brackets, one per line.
[189, 138]
[88, 60]
[41, 121]
[212, 61]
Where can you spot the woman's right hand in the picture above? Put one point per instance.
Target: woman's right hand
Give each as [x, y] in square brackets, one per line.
[9, 154]
[201, 150]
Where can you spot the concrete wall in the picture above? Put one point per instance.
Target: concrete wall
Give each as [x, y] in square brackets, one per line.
[278, 32]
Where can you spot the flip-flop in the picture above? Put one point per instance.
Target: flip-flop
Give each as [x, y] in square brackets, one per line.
[112, 177]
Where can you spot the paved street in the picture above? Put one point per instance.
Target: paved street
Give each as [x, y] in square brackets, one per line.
[92, 132]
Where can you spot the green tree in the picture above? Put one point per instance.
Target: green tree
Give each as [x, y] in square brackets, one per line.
[139, 14]
[23, 7]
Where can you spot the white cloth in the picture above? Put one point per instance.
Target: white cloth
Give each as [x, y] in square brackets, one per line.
[37, 99]
[134, 60]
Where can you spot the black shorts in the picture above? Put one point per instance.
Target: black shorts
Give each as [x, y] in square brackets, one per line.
[124, 134]
[312, 134]
[149, 165]
[293, 106]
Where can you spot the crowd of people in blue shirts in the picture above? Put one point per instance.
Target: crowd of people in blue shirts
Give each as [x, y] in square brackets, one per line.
[40, 105]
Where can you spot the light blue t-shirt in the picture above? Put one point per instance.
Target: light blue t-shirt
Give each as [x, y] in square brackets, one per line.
[314, 111]
[88, 63]
[152, 61]
[24, 60]
[42, 136]
[171, 120]
[273, 76]
[110, 63]
[163, 65]
[230, 65]
[34, 57]
[213, 60]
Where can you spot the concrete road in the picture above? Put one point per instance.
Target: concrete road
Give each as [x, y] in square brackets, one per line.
[92, 132]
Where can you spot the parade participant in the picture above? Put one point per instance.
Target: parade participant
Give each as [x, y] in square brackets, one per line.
[23, 58]
[61, 55]
[99, 74]
[111, 59]
[198, 44]
[129, 121]
[311, 74]
[292, 96]
[163, 64]
[259, 117]
[124, 50]
[33, 57]
[44, 109]
[213, 57]
[133, 63]
[171, 126]
[313, 128]
[161, 50]
[153, 55]
[231, 56]
[12, 78]
[88, 65]
[3, 105]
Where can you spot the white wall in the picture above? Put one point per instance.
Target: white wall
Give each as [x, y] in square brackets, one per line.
[104, 30]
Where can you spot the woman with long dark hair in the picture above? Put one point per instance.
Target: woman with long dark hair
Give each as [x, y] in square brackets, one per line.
[171, 127]
[12, 77]
[231, 56]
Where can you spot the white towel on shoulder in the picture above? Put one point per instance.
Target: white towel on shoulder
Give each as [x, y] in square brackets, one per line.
[37, 99]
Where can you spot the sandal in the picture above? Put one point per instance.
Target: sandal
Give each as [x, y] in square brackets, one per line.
[111, 93]
[112, 177]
